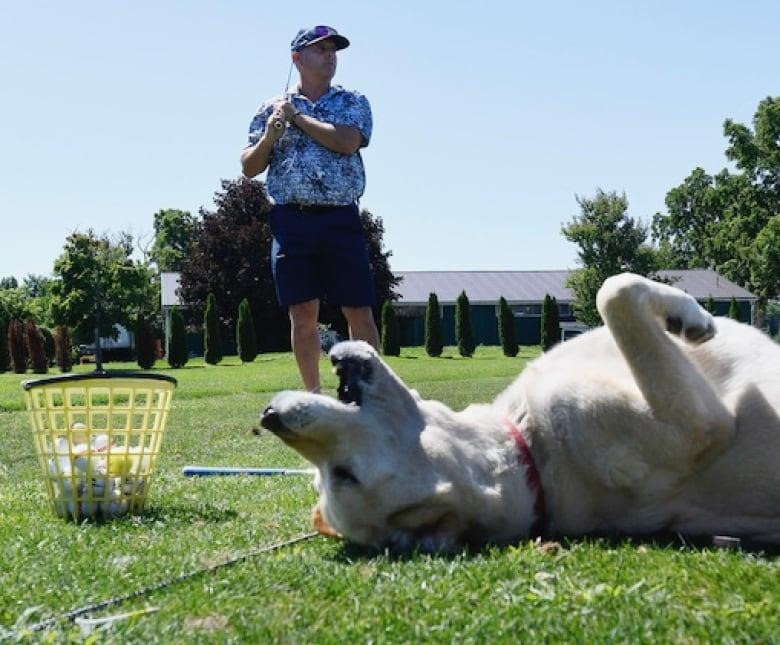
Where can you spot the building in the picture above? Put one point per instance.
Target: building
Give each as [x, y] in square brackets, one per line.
[524, 291]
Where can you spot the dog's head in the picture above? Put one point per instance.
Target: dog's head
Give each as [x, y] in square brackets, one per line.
[377, 454]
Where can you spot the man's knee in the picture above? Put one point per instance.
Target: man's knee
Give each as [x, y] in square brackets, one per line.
[358, 314]
[304, 314]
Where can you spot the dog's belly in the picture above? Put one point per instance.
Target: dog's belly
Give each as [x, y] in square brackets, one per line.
[737, 494]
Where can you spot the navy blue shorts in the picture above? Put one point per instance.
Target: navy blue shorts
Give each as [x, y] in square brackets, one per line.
[320, 253]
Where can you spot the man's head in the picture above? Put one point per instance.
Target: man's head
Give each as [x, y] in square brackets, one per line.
[306, 37]
[314, 53]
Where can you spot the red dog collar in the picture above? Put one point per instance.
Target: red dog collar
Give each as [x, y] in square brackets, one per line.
[532, 477]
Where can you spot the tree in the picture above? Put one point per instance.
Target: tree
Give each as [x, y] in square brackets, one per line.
[231, 257]
[729, 221]
[64, 349]
[550, 323]
[35, 348]
[212, 341]
[178, 354]
[246, 340]
[433, 341]
[15, 303]
[16, 346]
[391, 344]
[710, 305]
[506, 328]
[464, 332]
[145, 349]
[5, 357]
[48, 344]
[764, 262]
[733, 309]
[174, 235]
[98, 279]
[610, 242]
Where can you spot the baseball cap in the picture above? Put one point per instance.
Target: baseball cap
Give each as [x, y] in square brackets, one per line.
[306, 37]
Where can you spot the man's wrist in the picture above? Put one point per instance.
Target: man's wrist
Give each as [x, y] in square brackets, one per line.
[294, 116]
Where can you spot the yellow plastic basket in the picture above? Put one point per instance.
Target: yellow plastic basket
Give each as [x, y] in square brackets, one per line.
[97, 437]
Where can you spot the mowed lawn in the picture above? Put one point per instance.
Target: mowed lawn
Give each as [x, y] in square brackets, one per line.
[322, 590]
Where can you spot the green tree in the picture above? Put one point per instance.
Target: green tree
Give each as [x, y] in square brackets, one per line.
[99, 286]
[144, 344]
[246, 340]
[434, 345]
[733, 309]
[710, 305]
[174, 235]
[764, 262]
[178, 354]
[15, 303]
[729, 221]
[212, 340]
[550, 323]
[506, 329]
[464, 332]
[610, 242]
[391, 344]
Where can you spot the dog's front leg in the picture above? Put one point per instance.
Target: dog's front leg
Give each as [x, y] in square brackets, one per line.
[639, 312]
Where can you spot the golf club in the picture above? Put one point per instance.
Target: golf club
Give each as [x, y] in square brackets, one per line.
[210, 471]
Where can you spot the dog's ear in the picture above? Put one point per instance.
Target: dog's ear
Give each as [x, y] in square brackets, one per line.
[321, 525]
[428, 514]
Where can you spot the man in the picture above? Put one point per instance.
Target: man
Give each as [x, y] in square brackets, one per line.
[309, 141]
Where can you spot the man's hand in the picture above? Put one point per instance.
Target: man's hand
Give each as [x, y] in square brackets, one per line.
[277, 123]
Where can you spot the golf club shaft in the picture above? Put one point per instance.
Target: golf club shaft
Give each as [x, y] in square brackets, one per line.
[209, 471]
[280, 124]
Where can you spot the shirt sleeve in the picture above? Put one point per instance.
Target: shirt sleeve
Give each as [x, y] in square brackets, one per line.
[357, 113]
[259, 123]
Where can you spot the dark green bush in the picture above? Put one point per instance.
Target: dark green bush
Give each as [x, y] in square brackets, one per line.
[433, 341]
[391, 342]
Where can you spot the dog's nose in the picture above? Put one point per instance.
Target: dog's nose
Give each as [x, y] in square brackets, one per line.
[271, 420]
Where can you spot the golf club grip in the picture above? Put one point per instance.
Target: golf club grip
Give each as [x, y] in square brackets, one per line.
[211, 471]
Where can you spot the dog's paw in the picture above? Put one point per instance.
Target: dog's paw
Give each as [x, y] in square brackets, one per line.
[692, 323]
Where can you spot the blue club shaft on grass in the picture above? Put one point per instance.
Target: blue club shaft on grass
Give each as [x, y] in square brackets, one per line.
[209, 471]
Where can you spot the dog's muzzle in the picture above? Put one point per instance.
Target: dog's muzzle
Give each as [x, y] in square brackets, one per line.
[271, 420]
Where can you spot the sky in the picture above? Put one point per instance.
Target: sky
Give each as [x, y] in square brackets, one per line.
[490, 118]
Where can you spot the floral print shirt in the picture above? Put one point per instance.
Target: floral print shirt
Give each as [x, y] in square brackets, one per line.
[300, 170]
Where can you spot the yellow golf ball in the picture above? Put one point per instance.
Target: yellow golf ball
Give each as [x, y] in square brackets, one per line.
[119, 465]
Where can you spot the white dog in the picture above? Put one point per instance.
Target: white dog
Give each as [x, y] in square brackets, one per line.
[663, 420]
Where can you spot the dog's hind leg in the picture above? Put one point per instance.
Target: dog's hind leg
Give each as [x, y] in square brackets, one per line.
[639, 313]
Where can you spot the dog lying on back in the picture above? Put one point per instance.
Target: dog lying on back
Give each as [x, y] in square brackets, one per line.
[665, 419]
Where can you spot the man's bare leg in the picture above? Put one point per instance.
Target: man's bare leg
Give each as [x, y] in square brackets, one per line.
[305, 340]
[361, 325]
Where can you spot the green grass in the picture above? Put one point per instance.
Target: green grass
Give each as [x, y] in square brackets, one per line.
[323, 590]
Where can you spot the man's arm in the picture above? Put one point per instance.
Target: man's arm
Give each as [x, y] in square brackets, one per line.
[345, 139]
[255, 158]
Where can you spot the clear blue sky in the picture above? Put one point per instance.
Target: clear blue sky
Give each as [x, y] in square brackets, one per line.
[489, 117]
